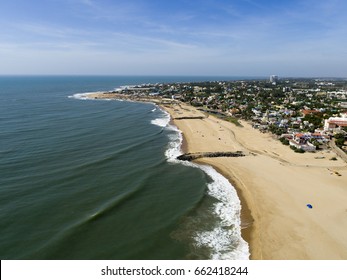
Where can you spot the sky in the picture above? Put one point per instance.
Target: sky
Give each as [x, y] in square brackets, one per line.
[292, 38]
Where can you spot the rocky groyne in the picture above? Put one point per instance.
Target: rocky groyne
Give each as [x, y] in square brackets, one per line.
[192, 156]
[190, 118]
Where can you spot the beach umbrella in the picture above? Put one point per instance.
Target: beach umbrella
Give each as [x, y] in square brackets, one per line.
[309, 206]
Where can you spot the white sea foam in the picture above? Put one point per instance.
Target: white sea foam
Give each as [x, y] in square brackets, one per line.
[119, 89]
[225, 240]
[162, 121]
[84, 96]
[87, 96]
[174, 146]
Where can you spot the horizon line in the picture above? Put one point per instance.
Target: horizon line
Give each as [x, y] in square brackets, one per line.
[172, 75]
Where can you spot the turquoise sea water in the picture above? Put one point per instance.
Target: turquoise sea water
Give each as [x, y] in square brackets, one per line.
[97, 179]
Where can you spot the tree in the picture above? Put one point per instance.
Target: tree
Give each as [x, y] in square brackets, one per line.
[284, 141]
[339, 139]
[315, 119]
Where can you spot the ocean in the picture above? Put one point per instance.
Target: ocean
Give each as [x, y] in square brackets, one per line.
[98, 179]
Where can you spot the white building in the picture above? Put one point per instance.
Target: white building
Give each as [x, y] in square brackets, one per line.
[273, 79]
[308, 147]
[334, 123]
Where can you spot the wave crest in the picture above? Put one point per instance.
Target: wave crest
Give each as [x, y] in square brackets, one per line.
[163, 120]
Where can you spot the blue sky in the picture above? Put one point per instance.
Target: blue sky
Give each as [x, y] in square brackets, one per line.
[180, 37]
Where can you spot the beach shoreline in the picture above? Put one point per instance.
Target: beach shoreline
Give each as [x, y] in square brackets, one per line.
[274, 185]
[246, 216]
[276, 222]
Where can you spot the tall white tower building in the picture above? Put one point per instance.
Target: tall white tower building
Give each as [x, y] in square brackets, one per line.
[273, 79]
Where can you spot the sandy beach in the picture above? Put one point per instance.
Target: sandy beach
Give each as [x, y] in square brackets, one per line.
[275, 185]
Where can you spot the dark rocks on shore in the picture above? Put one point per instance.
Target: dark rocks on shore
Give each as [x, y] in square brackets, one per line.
[190, 118]
[192, 156]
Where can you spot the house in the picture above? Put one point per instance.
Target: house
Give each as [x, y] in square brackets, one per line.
[307, 147]
[310, 112]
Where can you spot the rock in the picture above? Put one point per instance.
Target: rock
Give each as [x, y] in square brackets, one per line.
[192, 156]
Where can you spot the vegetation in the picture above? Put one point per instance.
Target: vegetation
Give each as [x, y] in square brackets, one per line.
[315, 119]
[339, 139]
[301, 151]
[233, 120]
[284, 141]
[277, 130]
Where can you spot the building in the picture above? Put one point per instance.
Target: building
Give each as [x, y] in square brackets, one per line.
[273, 79]
[307, 146]
[310, 112]
[332, 123]
[343, 104]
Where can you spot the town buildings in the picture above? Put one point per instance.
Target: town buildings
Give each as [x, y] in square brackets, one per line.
[306, 112]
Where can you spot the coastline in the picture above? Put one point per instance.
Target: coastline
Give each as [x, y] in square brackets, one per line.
[246, 216]
[274, 185]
